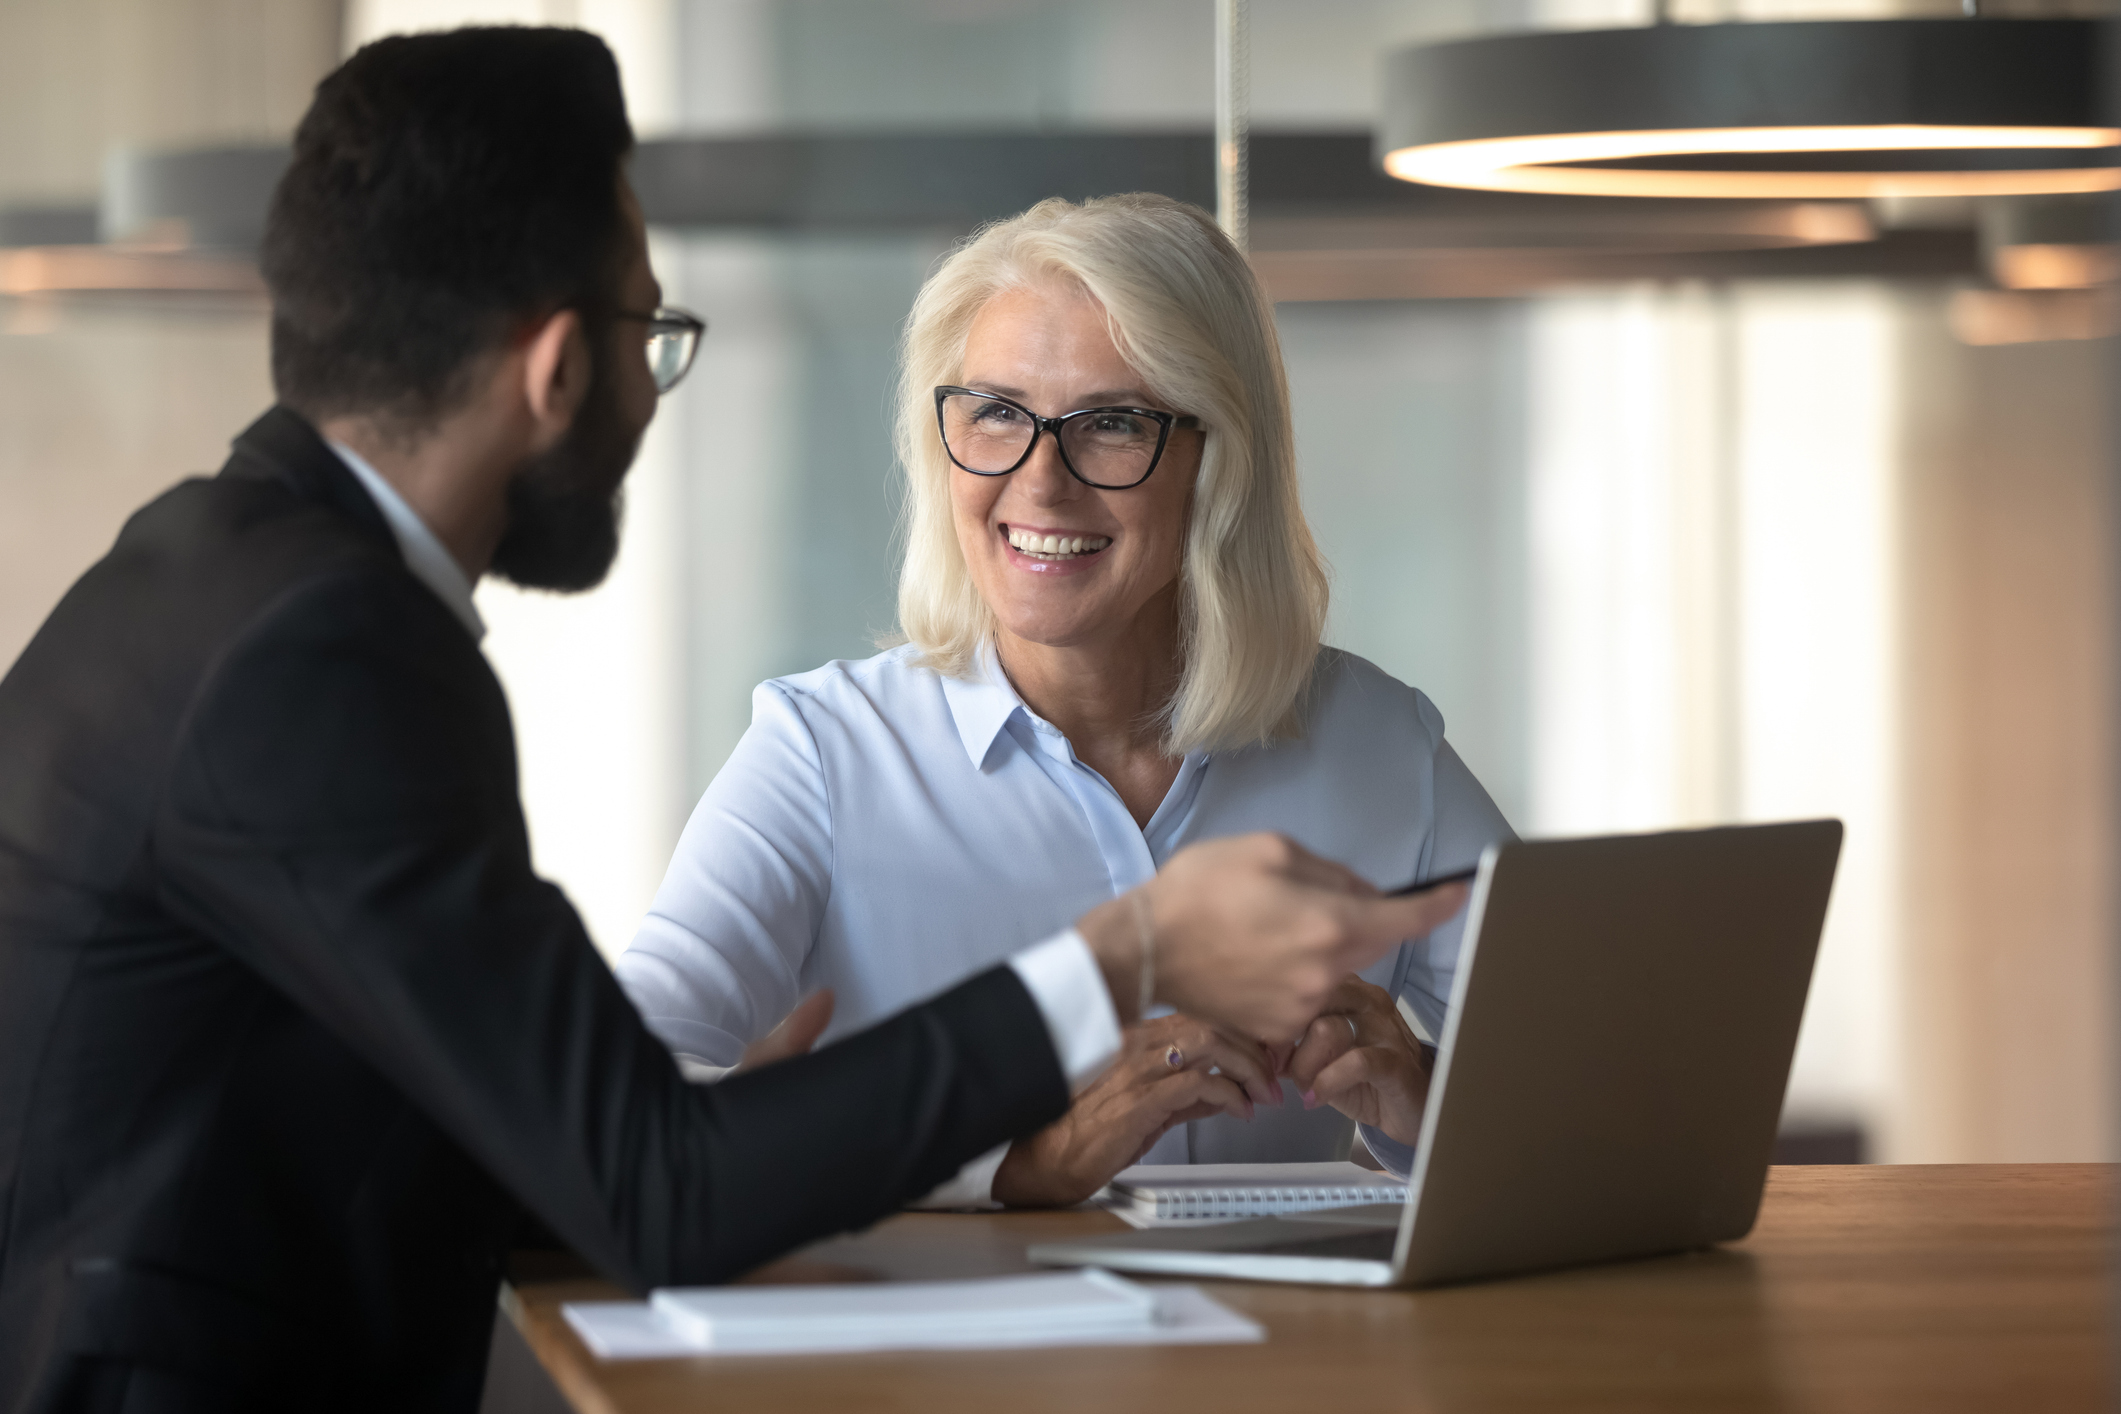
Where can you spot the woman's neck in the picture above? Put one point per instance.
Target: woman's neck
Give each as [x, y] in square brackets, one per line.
[1107, 698]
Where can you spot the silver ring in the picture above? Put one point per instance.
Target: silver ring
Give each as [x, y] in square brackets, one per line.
[1174, 1057]
[1353, 1034]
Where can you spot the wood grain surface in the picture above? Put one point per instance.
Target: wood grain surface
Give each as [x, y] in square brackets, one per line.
[1931, 1288]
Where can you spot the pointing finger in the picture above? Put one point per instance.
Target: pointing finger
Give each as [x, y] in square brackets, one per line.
[1377, 925]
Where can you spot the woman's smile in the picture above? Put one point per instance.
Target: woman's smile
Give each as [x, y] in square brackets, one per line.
[1046, 550]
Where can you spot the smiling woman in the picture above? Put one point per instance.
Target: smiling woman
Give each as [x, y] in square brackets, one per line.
[1089, 633]
[1112, 607]
[1092, 305]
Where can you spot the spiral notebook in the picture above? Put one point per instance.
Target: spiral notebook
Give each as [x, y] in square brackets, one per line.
[1185, 1195]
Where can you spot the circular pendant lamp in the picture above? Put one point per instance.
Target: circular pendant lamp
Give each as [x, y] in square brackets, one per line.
[1819, 109]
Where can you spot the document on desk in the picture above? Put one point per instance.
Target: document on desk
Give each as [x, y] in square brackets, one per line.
[1088, 1307]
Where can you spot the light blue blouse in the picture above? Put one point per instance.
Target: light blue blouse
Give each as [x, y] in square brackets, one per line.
[887, 832]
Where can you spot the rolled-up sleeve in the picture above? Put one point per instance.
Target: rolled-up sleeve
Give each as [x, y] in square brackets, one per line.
[718, 961]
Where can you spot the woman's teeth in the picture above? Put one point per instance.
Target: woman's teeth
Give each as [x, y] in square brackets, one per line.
[1057, 547]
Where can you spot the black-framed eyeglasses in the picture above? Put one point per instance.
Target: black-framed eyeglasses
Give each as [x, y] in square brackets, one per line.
[1108, 448]
[673, 338]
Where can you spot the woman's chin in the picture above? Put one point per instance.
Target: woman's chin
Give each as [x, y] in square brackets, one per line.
[1054, 631]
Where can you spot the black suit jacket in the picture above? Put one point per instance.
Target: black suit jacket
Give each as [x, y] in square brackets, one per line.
[290, 1032]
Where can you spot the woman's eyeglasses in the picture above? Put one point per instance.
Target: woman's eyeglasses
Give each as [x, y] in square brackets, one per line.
[673, 338]
[1108, 448]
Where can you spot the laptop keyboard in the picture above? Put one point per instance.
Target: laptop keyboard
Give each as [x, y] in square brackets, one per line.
[1366, 1245]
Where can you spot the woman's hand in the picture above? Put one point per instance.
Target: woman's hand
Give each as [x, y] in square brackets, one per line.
[1160, 1079]
[796, 1034]
[1360, 1057]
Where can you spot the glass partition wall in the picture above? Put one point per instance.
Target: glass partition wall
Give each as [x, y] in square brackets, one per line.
[1663, 553]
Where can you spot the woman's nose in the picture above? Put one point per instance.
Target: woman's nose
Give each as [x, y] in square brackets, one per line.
[1044, 476]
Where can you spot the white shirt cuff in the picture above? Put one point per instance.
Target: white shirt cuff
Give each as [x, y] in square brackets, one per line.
[971, 1187]
[1064, 980]
[702, 1072]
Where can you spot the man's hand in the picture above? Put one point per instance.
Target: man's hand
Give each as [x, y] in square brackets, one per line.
[1160, 1080]
[1360, 1057]
[1253, 933]
[796, 1034]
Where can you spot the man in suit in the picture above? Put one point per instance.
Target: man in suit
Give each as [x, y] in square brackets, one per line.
[291, 1035]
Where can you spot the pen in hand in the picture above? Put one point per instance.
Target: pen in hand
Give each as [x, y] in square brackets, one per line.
[1456, 876]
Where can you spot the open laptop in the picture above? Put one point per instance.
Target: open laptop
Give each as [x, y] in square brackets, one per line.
[1609, 1080]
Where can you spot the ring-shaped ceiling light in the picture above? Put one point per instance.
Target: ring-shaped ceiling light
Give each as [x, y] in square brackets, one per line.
[1854, 108]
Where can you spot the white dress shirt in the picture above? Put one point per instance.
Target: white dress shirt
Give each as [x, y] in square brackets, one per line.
[887, 832]
[425, 556]
[1060, 973]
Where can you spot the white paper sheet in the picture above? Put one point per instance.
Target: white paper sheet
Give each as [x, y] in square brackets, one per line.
[812, 1317]
[634, 1330]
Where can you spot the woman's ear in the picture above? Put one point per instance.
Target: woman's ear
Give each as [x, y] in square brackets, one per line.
[556, 372]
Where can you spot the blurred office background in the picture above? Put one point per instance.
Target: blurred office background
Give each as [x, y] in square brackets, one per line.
[1666, 548]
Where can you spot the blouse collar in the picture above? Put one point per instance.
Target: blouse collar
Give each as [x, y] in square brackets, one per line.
[982, 703]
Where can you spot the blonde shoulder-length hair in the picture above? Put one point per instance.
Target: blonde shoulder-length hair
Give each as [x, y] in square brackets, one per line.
[1187, 314]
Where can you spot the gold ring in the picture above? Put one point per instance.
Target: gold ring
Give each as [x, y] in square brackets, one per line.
[1174, 1057]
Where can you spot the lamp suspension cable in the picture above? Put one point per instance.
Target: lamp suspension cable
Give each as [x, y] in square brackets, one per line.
[1233, 118]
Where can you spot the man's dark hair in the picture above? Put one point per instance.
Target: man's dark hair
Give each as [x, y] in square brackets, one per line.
[444, 187]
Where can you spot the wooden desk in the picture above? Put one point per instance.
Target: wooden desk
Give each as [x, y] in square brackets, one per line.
[1872, 1289]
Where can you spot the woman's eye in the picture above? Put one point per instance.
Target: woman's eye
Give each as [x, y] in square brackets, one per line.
[996, 415]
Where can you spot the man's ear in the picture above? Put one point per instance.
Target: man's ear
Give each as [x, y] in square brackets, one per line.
[556, 369]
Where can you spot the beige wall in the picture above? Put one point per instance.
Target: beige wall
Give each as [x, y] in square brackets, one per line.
[101, 405]
[80, 76]
[2008, 767]
[99, 410]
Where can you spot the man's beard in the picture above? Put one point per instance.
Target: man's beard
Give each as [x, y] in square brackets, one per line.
[564, 507]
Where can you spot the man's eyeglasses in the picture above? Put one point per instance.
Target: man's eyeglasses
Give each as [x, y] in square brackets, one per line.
[1108, 448]
[673, 338]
